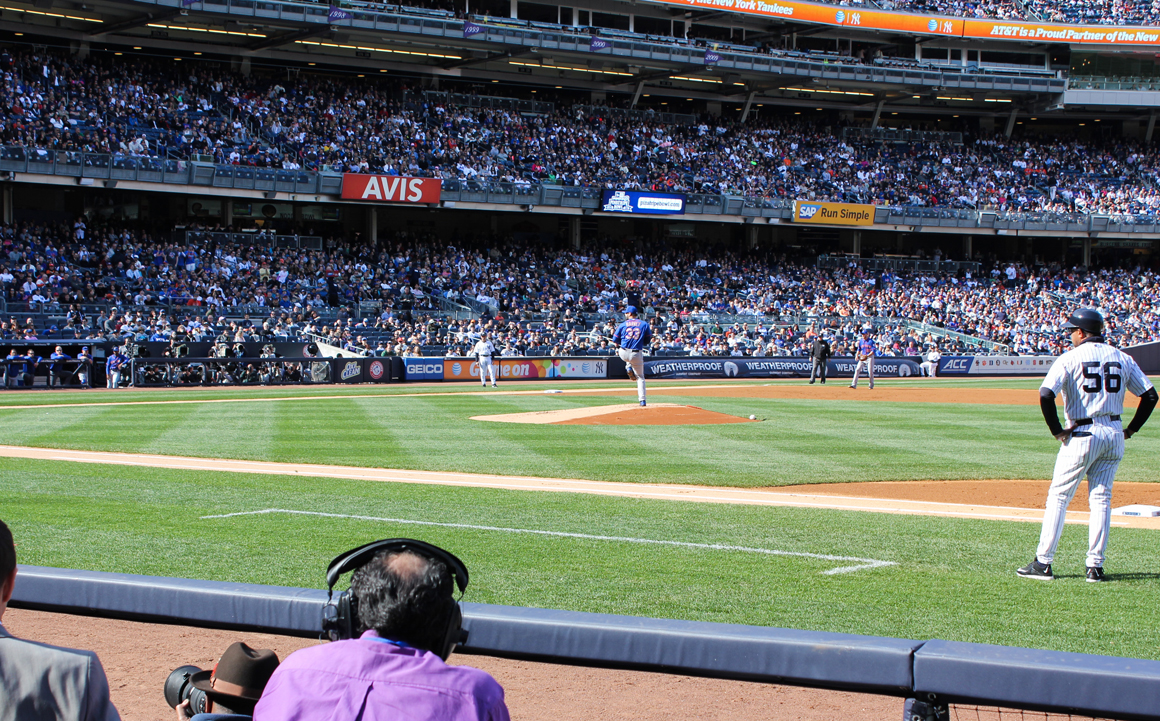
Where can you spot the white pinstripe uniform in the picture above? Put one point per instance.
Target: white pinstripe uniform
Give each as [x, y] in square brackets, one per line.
[484, 350]
[1093, 377]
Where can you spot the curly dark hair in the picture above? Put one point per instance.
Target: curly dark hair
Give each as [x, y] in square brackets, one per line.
[405, 597]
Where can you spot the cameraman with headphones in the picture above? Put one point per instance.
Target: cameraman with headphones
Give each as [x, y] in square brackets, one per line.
[401, 593]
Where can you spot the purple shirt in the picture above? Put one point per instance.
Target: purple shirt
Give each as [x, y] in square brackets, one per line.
[371, 680]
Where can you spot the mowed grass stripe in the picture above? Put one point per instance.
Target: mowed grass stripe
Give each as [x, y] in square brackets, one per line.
[403, 390]
[955, 578]
[799, 442]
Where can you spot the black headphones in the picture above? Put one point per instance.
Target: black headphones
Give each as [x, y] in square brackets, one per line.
[340, 617]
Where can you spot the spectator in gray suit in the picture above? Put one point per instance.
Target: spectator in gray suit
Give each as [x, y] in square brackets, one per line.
[38, 681]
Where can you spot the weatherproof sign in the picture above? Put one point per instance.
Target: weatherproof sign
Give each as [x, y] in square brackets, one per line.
[390, 188]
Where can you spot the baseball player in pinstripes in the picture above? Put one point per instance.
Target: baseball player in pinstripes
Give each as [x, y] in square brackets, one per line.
[483, 351]
[633, 336]
[1093, 377]
[865, 354]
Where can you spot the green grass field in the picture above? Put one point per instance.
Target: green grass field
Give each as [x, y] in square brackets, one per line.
[949, 578]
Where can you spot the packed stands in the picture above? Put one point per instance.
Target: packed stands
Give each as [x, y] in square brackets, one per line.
[154, 108]
[416, 295]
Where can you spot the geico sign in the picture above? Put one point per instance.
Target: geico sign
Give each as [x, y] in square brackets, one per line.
[416, 368]
[390, 188]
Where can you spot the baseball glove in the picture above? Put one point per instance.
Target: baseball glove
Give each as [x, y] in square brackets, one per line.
[630, 371]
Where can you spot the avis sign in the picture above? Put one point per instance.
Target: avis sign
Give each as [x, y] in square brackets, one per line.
[390, 188]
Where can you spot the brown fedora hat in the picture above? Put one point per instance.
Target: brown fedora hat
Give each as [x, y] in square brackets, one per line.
[241, 673]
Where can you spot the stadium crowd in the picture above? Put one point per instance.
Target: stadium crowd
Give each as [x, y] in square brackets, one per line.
[392, 298]
[1076, 12]
[144, 108]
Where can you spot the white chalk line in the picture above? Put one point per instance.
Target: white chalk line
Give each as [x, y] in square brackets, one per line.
[673, 493]
[863, 563]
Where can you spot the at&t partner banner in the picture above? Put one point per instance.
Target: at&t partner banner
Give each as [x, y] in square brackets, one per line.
[923, 24]
[514, 369]
[770, 367]
[390, 188]
[832, 213]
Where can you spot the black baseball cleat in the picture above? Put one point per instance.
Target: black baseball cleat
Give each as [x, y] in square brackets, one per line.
[1036, 570]
[811, 383]
[1095, 574]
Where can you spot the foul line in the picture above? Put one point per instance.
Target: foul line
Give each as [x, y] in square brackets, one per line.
[786, 497]
[863, 563]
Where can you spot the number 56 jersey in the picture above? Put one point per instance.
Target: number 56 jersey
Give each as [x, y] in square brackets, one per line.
[1093, 377]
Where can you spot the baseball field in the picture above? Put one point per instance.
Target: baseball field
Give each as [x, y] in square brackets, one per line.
[678, 528]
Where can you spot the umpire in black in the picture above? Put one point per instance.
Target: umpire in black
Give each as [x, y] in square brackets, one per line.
[819, 354]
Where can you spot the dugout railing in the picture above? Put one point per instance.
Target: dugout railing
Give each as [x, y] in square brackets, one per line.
[24, 373]
[255, 371]
[933, 673]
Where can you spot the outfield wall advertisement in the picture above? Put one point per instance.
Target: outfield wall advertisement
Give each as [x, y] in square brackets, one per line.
[523, 369]
[922, 24]
[886, 367]
[510, 369]
[986, 365]
[771, 367]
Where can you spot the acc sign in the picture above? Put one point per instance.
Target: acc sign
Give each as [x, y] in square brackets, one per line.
[390, 188]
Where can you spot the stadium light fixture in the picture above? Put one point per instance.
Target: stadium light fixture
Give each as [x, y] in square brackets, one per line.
[190, 28]
[50, 15]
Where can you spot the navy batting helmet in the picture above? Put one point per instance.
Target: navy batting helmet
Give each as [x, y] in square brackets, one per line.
[1086, 319]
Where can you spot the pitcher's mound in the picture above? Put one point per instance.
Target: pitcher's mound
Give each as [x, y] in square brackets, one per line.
[628, 414]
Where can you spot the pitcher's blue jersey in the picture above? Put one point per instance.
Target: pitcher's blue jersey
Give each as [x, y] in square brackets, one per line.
[632, 334]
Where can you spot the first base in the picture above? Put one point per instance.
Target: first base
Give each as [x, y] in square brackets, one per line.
[1136, 510]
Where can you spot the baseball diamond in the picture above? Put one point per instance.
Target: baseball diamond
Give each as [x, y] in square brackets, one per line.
[797, 326]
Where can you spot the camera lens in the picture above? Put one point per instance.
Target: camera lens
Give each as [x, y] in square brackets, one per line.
[178, 687]
[197, 700]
